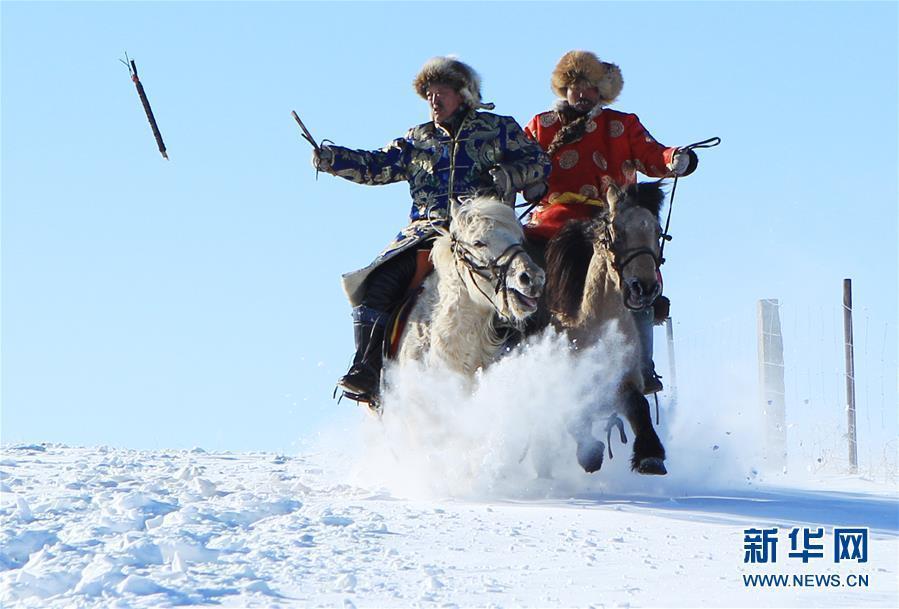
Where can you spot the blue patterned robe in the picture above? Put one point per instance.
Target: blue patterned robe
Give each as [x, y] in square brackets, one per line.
[437, 167]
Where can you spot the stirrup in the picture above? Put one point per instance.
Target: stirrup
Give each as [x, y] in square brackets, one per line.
[614, 421]
[360, 398]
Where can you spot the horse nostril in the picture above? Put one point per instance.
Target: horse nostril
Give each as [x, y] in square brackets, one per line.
[636, 287]
[524, 279]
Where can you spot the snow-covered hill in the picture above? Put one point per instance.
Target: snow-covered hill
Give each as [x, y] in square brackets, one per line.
[439, 504]
[102, 527]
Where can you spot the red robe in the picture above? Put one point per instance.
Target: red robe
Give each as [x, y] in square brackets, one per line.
[615, 146]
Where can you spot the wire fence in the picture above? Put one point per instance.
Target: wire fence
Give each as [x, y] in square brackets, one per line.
[722, 357]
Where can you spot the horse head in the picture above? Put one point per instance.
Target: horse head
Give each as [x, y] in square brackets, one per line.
[485, 240]
[635, 233]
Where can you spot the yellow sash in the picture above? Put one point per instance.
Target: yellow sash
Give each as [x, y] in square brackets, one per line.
[567, 198]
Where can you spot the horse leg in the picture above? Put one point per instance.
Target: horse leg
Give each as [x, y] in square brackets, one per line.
[649, 454]
[589, 450]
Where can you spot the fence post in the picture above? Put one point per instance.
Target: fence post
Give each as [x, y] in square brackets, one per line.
[669, 331]
[771, 383]
[850, 375]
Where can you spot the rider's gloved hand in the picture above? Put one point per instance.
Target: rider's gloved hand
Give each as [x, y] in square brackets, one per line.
[533, 193]
[322, 158]
[502, 182]
[683, 163]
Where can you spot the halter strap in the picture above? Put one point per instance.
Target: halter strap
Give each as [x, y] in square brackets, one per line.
[631, 254]
[492, 270]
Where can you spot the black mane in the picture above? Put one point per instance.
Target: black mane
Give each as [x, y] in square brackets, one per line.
[568, 257]
[648, 195]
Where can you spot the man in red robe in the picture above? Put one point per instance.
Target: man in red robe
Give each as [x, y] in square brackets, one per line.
[592, 146]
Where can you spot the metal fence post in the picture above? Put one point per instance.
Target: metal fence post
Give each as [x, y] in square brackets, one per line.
[669, 331]
[850, 376]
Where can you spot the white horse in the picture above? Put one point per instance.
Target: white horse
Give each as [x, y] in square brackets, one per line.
[482, 276]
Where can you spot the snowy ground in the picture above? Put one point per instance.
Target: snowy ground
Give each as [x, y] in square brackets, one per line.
[438, 504]
[99, 527]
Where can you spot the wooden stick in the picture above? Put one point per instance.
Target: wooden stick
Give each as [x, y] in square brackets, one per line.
[149, 111]
[306, 135]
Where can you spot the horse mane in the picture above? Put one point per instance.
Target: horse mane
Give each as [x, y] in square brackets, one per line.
[568, 257]
[648, 195]
[485, 207]
[494, 210]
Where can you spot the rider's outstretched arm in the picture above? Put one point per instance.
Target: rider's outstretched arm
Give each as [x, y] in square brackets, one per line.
[384, 166]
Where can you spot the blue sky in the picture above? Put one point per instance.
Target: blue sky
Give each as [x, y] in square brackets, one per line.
[196, 301]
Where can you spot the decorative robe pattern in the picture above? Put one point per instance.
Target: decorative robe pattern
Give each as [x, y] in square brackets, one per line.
[439, 167]
[614, 147]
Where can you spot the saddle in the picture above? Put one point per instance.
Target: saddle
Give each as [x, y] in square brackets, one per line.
[547, 220]
[400, 315]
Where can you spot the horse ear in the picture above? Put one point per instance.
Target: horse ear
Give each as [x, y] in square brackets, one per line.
[457, 211]
[614, 197]
[454, 208]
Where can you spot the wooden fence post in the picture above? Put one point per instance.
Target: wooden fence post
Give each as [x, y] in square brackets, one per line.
[771, 383]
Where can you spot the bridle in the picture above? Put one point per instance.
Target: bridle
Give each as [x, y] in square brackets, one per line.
[620, 259]
[629, 256]
[494, 270]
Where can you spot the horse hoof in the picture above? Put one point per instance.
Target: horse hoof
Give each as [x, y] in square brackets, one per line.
[652, 466]
[590, 454]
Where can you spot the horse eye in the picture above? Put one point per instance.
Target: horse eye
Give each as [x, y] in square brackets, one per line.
[479, 244]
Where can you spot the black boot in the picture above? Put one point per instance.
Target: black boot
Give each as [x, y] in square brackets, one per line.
[383, 291]
[363, 379]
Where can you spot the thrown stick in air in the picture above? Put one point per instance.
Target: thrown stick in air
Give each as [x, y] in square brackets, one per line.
[132, 68]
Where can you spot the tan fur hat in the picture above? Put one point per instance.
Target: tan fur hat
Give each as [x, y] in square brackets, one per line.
[453, 72]
[585, 66]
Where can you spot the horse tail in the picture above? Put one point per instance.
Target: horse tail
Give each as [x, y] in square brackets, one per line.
[648, 195]
[567, 260]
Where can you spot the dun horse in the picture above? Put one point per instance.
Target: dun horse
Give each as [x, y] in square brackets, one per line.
[598, 272]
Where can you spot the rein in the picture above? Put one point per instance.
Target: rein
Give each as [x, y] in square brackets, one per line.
[709, 143]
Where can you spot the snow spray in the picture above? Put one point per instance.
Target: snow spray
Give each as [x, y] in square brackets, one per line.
[504, 434]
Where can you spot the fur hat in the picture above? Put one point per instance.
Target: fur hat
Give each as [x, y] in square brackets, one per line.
[585, 66]
[453, 72]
